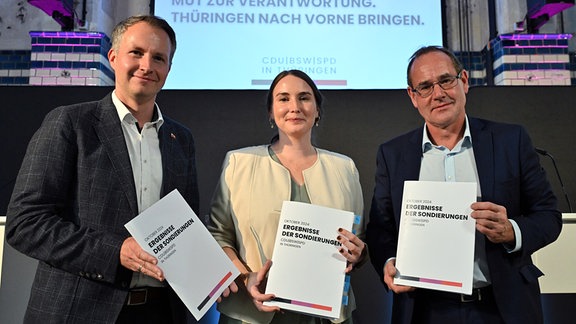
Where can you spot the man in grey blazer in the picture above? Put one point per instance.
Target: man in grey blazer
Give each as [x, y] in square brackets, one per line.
[515, 216]
[89, 169]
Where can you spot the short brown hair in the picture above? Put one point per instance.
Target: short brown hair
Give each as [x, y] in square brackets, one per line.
[153, 21]
[429, 49]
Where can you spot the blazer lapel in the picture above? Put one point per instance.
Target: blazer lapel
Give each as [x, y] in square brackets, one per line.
[110, 133]
[167, 139]
[482, 142]
[413, 156]
[409, 168]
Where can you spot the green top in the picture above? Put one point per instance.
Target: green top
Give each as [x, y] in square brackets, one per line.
[298, 192]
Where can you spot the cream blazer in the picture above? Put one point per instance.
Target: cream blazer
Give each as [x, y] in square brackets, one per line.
[246, 207]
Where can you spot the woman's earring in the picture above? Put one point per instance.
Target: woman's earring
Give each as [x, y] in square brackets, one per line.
[271, 123]
[317, 120]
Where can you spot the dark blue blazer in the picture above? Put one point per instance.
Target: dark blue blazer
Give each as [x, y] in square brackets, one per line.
[73, 195]
[510, 175]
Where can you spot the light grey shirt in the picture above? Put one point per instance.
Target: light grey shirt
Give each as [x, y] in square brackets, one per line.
[456, 165]
[146, 161]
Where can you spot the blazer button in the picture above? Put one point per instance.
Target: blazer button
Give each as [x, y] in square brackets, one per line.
[81, 273]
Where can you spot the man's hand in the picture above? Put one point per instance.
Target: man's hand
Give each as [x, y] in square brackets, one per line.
[492, 221]
[389, 273]
[133, 257]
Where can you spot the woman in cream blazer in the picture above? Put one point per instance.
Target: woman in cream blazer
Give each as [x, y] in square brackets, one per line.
[256, 180]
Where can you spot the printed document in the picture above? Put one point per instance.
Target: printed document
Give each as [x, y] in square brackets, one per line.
[193, 262]
[437, 236]
[308, 272]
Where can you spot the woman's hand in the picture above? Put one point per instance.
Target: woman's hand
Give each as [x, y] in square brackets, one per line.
[353, 248]
[256, 284]
[231, 289]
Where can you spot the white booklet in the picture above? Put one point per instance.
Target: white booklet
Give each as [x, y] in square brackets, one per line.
[437, 236]
[308, 272]
[193, 262]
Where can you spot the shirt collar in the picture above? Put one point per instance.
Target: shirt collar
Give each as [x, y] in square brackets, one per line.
[427, 143]
[125, 115]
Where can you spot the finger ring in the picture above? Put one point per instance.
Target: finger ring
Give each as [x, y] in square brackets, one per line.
[140, 268]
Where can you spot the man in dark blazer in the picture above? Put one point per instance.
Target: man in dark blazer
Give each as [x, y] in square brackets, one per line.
[516, 213]
[89, 169]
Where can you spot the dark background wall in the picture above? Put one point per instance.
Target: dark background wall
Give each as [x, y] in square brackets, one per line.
[354, 123]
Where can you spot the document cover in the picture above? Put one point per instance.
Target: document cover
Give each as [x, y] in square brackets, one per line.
[437, 236]
[193, 262]
[308, 272]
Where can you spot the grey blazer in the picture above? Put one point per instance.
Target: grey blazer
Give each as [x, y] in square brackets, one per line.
[73, 195]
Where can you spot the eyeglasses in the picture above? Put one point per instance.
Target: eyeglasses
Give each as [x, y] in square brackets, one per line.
[447, 82]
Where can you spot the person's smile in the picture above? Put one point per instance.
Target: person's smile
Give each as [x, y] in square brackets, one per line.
[296, 119]
[443, 105]
[145, 78]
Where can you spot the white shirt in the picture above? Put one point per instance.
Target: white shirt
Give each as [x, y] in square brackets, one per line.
[146, 161]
